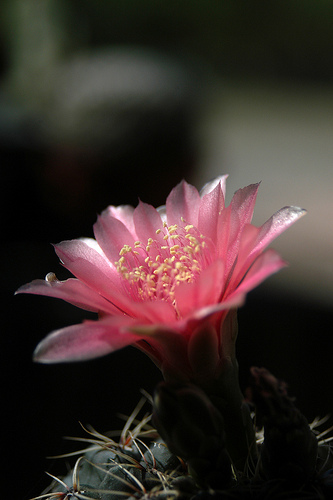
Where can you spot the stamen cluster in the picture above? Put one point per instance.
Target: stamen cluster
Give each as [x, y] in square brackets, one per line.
[153, 270]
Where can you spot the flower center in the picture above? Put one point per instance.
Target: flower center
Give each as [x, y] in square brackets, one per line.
[153, 270]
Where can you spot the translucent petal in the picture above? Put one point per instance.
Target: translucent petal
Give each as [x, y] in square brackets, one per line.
[88, 340]
[73, 291]
[183, 202]
[111, 234]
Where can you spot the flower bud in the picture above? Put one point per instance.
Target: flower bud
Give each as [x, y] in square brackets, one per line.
[289, 451]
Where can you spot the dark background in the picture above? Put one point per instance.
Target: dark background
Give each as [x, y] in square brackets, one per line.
[53, 185]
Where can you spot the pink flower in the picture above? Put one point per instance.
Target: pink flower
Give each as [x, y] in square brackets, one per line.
[165, 279]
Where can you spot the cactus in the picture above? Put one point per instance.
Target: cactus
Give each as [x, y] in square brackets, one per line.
[136, 465]
[295, 459]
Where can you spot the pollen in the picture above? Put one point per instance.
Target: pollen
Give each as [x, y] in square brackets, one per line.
[154, 268]
[126, 249]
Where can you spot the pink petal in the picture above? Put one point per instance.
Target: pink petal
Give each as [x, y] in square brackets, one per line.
[226, 231]
[206, 290]
[231, 223]
[89, 340]
[278, 223]
[124, 213]
[254, 240]
[211, 207]
[91, 268]
[95, 271]
[111, 234]
[155, 311]
[232, 302]
[147, 220]
[243, 203]
[83, 257]
[73, 291]
[210, 186]
[183, 202]
[266, 264]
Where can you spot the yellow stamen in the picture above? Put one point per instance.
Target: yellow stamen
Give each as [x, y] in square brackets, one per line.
[152, 277]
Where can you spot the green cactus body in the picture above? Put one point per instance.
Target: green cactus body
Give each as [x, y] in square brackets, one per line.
[139, 465]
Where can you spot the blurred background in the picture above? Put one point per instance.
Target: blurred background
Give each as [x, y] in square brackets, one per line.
[105, 102]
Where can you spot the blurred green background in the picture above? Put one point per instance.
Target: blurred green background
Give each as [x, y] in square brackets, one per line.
[102, 102]
[278, 39]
